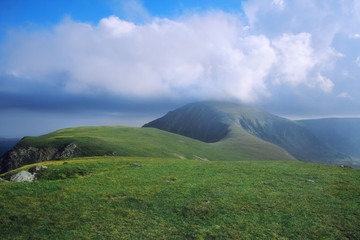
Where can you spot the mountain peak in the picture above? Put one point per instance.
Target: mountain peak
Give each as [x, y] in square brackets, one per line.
[235, 125]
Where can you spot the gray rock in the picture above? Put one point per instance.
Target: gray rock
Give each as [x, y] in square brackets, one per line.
[309, 180]
[67, 152]
[344, 166]
[136, 165]
[22, 176]
[21, 155]
[37, 168]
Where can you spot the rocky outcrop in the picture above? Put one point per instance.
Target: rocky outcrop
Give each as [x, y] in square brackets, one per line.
[21, 155]
[22, 176]
[36, 168]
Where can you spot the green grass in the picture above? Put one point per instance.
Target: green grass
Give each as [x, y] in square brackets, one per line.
[240, 145]
[151, 142]
[171, 198]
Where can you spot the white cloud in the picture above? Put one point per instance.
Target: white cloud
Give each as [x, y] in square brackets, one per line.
[279, 3]
[344, 95]
[358, 60]
[295, 58]
[212, 55]
[116, 27]
[202, 55]
[324, 83]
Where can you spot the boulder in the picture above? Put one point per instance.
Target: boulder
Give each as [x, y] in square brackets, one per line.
[22, 176]
[136, 165]
[36, 168]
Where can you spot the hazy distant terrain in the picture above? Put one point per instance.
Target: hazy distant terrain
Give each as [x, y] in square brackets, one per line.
[342, 134]
[6, 144]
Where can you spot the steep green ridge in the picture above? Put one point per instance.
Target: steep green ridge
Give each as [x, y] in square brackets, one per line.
[254, 131]
[199, 121]
[211, 122]
[118, 141]
[171, 198]
[342, 134]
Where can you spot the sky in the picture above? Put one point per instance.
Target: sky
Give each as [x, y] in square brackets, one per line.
[126, 62]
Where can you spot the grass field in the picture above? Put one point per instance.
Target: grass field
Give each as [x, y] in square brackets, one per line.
[167, 198]
[151, 142]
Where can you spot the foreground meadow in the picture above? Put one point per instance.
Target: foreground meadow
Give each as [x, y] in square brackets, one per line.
[165, 198]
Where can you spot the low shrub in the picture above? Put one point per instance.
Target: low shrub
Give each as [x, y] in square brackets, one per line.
[62, 172]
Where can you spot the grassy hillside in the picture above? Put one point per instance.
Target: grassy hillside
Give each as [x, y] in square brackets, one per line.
[139, 142]
[255, 132]
[182, 199]
[123, 141]
[217, 123]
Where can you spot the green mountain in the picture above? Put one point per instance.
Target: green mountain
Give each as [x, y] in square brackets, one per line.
[119, 141]
[255, 132]
[341, 134]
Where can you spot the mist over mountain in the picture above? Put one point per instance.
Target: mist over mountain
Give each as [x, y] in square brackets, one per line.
[342, 134]
[223, 122]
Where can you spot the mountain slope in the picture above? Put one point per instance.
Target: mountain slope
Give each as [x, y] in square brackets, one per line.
[100, 141]
[342, 134]
[210, 122]
[249, 129]
[116, 141]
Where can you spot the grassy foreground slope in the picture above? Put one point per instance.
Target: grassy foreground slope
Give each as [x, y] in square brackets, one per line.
[125, 141]
[183, 199]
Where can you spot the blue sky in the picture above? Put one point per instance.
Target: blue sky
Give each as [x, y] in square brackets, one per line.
[117, 62]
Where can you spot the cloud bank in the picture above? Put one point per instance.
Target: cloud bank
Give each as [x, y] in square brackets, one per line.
[213, 55]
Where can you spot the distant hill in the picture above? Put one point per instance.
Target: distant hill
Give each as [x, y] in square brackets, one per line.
[204, 130]
[119, 141]
[251, 130]
[6, 144]
[342, 134]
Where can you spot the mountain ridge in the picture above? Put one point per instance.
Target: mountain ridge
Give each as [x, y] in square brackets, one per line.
[118, 141]
[243, 121]
[208, 130]
[342, 134]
